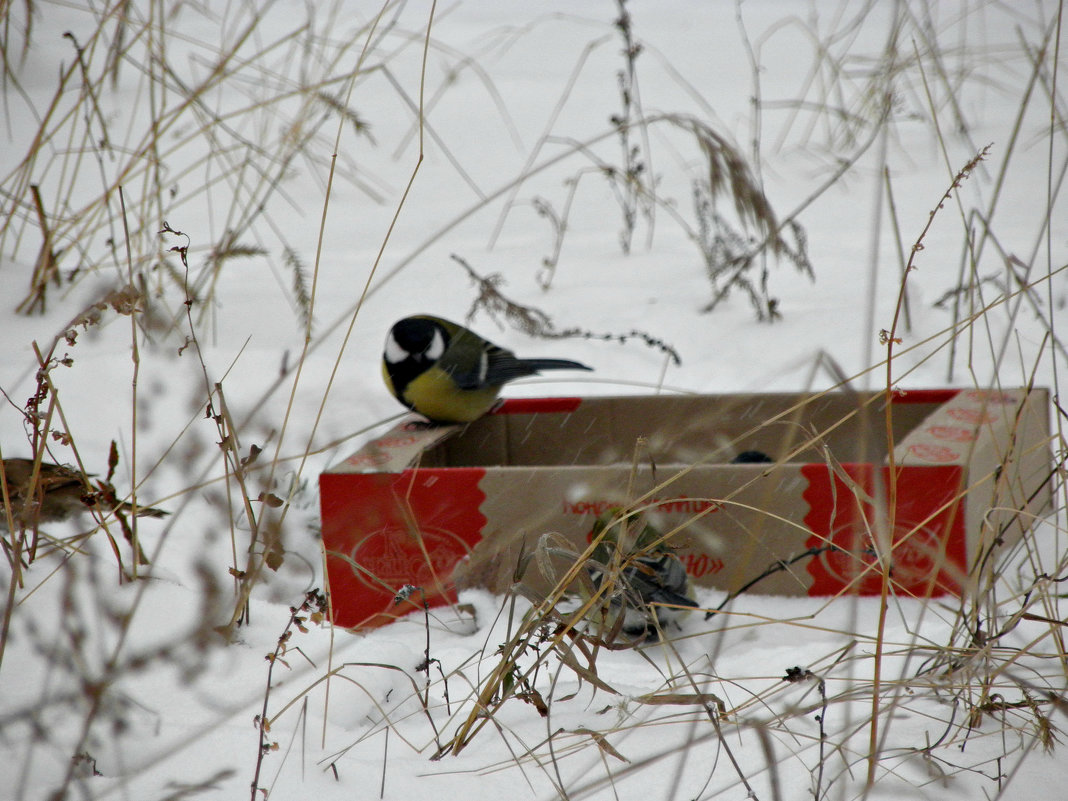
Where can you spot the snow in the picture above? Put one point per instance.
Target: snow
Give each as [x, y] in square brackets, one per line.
[143, 681]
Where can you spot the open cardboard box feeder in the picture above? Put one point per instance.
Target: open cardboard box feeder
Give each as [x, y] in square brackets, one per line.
[448, 506]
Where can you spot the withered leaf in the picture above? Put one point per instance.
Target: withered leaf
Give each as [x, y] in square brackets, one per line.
[602, 743]
[270, 499]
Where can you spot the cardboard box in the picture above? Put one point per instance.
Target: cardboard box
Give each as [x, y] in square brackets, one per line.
[438, 507]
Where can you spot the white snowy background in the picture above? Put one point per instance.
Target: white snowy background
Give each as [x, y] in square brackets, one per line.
[222, 120]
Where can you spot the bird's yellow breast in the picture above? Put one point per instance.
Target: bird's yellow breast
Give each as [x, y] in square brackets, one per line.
[435, 395]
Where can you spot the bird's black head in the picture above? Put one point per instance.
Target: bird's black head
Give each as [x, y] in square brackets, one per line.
[413, 345]
[416, 339]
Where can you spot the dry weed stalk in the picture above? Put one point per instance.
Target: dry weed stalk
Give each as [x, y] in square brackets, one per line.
[885, 530]
[312, 610]
[536, 323]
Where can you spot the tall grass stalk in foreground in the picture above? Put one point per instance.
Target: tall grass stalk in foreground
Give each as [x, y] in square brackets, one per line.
[885, 542]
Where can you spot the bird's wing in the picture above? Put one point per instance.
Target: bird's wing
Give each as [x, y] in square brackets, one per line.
[472, 377]
[660, 579]
[502, 366]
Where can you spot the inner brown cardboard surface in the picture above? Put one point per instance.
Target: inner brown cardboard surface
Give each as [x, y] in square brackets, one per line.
[681, 430]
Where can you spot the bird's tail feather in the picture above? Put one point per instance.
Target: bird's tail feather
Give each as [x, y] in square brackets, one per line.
[553, 364]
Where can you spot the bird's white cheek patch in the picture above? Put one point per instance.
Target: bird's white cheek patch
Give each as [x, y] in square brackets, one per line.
[395, 354]
[437, 347]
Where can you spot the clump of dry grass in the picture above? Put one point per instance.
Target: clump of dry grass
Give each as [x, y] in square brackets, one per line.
[536, 323]
[147, 125]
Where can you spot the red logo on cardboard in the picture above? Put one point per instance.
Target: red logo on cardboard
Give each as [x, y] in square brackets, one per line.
[383, 530]
[952, 433]
[393, 557]
[927, 549]
[396, 442]
[937, 454]
[854, 559]
[701, 564]
[982, 396]
[368, 459]
[973, 416]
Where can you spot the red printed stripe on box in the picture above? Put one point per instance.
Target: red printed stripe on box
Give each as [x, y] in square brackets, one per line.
[537, 405]
[386, 531]
[924, 395]
[928, 556]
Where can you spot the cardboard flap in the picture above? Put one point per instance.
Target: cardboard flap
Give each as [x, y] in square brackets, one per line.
[972, 424]
[397, 450]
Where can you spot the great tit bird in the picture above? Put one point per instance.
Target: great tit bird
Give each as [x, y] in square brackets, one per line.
[649, 585]
[450, 374]
[58, 493]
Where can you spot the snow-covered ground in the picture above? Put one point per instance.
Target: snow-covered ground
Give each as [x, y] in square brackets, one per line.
[854, 117]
